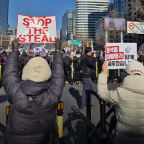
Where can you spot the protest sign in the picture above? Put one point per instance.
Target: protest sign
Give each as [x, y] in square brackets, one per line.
[118, 55]
[67, 49]
[38, 49]
[36, 29]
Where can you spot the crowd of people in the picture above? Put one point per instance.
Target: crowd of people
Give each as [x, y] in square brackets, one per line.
[34, 83]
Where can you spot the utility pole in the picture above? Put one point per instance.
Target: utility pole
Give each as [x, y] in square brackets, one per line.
[72, 45]
[106, 36]
[1, 40]
[121, 37]
[83, 40]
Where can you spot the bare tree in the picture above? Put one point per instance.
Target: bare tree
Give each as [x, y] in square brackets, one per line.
[136, 10]
[136, 13]
[64, 44]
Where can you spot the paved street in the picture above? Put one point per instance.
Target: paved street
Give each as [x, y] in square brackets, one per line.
[75, 132]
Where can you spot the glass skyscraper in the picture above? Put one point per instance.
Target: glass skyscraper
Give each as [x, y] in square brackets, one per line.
[86, 15]
[121, 7]
[67, 25]
[4, 5]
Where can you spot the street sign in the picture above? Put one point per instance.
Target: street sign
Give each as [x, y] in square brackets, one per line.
[75, 42]
[135, 27]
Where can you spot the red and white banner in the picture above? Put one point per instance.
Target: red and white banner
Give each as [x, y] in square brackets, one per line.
[135, 27]
[118, 55]
[36, 29]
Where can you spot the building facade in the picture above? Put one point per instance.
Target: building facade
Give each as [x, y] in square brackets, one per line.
[121, 7]
[67, 25]
[86, 15]
[4, 6]
[11, 31]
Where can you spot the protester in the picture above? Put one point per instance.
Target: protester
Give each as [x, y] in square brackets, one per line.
[3, 59]
[23, 59]
[63, 52]
[67, 68]
[77, 67]
[32, 119]
[30, 55]
[141, 53]
[88, 63]
[129, 99]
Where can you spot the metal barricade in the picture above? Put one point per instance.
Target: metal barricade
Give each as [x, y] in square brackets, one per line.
[0, 72]
[105, 127]
[102, 130]
[60, 121]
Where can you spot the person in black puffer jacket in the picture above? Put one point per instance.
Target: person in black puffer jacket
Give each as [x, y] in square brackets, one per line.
[88, 65]
[23, 127]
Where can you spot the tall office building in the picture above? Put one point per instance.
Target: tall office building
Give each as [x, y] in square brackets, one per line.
[121, 7]
[86, 15]
[67, 25]
[4, 5]
[11, 31]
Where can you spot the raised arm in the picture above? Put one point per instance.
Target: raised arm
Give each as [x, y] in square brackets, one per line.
[105, 94]
[57, 78]
[11, 78]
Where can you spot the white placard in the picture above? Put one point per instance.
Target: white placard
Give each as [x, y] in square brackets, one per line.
[118, 55]
[38, 49]
[135, 27]
[36, 29]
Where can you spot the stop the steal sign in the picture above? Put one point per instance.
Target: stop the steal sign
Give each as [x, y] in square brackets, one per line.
[36, 29]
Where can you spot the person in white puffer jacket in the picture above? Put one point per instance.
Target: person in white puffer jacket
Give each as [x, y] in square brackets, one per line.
[129, 98]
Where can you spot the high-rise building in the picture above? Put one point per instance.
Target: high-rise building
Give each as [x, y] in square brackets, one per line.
[121, 7]
[4, 5]
[59, 33]
[67, 25]
[11, 31]
[86, 15]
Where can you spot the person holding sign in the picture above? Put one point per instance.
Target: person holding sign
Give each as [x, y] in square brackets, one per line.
[129, 99]
[32, 118]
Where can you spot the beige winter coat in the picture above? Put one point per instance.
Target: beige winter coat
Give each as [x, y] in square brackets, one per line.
[130, 101]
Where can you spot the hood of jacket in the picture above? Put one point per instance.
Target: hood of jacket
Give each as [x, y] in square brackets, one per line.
[134, 83]
[33, 88]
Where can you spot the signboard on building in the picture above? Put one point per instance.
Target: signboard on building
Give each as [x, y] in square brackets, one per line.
[36, 29]
[118, 55]
[111, 24]
[75, 42]
[135, 27]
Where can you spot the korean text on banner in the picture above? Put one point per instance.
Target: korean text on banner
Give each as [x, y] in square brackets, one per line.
[118, 55]
[36, 29]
